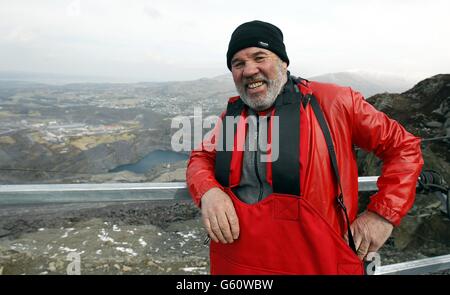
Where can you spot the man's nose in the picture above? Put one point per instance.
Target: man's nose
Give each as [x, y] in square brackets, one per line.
[250, 69]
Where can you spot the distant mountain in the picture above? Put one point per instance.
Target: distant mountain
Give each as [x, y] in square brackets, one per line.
[19, 84]
[53, 78]
[206, 91]
[368, 83]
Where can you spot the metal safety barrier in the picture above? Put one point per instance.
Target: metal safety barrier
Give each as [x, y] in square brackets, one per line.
[431, 265]
[110, 192]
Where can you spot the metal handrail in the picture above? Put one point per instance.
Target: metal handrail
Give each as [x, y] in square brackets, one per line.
[110, 192]
[366, 183]
[416, 267]
[28, 194]
[80, 187]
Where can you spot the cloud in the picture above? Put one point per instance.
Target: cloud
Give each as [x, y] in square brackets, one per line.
[152, 12]
[188, 40]
[20, 35]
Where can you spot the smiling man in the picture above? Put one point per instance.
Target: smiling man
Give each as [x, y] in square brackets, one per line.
[297, 214]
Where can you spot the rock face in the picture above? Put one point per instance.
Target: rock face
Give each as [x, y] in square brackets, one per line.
[175, 172]
[424, 111]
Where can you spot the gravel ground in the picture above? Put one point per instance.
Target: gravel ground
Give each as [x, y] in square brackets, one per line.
[159, 237]
[162, 237]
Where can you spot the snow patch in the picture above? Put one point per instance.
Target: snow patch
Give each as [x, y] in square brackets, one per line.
[67, 249]
[126, 250]
[104, 236]
[142, 242]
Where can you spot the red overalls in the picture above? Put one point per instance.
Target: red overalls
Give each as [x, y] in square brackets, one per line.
[283, 234]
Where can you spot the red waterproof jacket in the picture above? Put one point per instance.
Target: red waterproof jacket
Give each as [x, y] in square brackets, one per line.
[352, 121]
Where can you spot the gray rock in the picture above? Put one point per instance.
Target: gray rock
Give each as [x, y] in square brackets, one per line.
[447, 123]
[435, 228]
[406, 232]
[433, 124]
[4, 233]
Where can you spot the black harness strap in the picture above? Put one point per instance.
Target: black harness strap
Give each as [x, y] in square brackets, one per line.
[223, 155]
[326, 132]
[286, 169]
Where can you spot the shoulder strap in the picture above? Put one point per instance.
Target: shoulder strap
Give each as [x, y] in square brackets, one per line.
[225, 152]
[326, 132]
[286, 169]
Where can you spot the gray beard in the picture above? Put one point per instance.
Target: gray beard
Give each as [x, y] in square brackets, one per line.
[273, 89]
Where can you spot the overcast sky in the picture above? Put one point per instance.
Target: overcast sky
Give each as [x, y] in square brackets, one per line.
[139, 40]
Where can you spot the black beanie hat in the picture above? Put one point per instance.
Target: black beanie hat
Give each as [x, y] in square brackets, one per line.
[257, 34]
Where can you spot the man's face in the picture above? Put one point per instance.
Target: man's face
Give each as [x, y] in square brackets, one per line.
[259, 75]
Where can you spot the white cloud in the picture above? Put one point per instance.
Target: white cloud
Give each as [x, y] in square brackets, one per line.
[176, 39]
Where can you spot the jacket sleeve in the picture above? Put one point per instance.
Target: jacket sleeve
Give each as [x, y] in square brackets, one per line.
[401, 155]
[200, 173]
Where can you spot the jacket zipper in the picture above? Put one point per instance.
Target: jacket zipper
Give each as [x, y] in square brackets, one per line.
[256, 161]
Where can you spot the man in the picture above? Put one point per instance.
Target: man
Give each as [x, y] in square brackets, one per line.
[292, 215]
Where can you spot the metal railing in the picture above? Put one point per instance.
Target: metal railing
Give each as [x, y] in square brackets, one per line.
[90, 193]
[110, 192]
[430, 265]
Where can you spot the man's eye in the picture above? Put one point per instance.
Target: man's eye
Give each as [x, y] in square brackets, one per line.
[237, 65]
[260, 58]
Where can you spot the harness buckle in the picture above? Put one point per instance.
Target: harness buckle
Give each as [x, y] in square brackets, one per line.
[340, 200]
[207, 240]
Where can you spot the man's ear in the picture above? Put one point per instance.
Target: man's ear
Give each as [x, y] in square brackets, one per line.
[284, 64]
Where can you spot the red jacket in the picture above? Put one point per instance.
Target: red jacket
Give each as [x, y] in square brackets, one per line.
[352, 121]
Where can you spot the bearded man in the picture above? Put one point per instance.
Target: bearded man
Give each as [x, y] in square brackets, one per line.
[297, 212]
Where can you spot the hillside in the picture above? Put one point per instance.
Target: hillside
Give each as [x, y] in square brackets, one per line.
[423, 110]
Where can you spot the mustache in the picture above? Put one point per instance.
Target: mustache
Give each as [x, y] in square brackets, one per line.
[247, 81]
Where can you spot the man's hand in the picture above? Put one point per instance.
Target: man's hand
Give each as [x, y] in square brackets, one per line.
[219, 216]
[370, 231]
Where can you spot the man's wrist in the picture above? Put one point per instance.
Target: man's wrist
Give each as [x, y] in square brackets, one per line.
[379, 217]
[209, 192]
[392, 216]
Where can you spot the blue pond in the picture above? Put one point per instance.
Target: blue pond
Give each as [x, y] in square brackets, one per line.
[151, 160]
